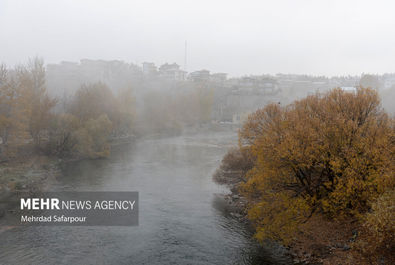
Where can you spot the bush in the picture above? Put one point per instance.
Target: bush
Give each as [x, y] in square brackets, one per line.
[62, 134]
[92, 138]
[377, 238]
[83, 139]
[234, 166]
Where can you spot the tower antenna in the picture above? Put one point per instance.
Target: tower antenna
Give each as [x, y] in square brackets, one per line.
[185, 57]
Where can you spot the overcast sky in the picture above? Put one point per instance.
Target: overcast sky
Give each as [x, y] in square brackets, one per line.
[238, 37]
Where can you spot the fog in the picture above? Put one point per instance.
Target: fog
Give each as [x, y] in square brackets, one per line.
[254, 132]
[235, 37]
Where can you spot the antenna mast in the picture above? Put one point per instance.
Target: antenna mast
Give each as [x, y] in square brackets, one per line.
[185, 57]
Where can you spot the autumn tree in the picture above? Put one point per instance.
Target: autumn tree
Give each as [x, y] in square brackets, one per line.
[8, 95]
[92, 138]
[330, 153]
[94, 116]
[235, 164]
[62, 134]
[92, 100]
[13, 108]
[377, 236]
[34, 98]
[84, 129]
[25, 107]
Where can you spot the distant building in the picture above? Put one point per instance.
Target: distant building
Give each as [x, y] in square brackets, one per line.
[219, 78]
[149, 68]
[240, 118]
[269, 86]
[256, 85]
[65, 78]
[171, 72]
[350, 89]
[199, 76]
[301, 85]
[389, 81]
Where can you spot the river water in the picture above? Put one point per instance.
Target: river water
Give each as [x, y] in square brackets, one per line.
[183, 217]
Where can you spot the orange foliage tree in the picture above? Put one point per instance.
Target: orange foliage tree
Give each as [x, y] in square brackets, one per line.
[330, 153]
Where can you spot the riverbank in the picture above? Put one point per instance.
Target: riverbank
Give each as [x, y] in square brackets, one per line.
[319, 241]
[29, 173]
[29, 170]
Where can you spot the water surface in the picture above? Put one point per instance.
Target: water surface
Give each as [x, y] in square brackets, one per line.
[183, 217]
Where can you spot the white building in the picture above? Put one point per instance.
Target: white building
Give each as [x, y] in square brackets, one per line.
[389, 82]
[350, 89]
[219, 78]
[149, 68]
[171, 72]
[198, 76]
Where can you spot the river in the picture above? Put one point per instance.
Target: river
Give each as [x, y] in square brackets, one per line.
[183, 216]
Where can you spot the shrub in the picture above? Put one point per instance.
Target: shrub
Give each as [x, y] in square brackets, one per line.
[377, 238]
[234, 166]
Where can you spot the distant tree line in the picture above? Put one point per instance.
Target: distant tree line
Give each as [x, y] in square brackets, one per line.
[83, 129]
[81, 126]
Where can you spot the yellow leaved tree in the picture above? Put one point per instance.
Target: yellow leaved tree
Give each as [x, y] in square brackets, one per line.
[331, 153]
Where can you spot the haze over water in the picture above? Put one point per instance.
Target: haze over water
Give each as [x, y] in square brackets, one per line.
[183, 217]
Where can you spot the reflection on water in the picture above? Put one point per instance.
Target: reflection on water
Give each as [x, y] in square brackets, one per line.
[182, 218]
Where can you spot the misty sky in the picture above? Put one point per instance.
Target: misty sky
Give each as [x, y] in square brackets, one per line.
[238, 37]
